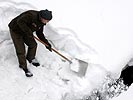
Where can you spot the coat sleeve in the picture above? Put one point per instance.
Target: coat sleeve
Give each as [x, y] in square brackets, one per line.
[40, 35]
[22, 22]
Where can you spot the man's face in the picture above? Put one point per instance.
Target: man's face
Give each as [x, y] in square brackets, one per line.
[44, 21]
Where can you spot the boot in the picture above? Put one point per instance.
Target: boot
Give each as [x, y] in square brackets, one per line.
[28, 73]
[34, 62]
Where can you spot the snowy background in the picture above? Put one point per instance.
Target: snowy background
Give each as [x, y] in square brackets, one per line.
[97, 31]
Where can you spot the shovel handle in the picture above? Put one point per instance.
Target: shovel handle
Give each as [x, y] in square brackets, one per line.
[54, 50]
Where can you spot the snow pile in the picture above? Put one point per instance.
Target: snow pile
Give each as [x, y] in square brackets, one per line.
[109, 89]
[53, 80]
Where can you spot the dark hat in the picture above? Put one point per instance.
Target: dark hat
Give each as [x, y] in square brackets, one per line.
[46, 14]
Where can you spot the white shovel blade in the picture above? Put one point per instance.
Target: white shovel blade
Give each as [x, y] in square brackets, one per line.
[74, 66]
[83, 68]
[79, 67]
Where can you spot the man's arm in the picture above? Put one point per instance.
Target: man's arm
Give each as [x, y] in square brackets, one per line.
[22, 22]
[41, 36]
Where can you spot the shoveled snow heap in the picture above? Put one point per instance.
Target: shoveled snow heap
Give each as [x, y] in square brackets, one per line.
[53, 80]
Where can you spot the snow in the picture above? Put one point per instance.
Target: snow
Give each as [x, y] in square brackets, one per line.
[125, 95]
[98, 32]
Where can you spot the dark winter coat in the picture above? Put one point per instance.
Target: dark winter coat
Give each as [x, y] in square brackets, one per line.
[26, 23]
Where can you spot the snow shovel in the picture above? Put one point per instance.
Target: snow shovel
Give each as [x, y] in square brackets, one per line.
[81, 66]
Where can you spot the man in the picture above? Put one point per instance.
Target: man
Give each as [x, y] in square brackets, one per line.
[21, 30]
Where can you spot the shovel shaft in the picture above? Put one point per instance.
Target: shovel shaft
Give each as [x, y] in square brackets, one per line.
[54, 50]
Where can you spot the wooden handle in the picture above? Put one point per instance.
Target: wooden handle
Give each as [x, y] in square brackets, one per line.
[54, 50]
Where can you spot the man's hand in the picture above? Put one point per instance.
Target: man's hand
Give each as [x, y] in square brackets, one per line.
[49, 46]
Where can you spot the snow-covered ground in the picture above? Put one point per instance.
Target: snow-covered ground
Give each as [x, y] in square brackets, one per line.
[125, 95]
[96, 31]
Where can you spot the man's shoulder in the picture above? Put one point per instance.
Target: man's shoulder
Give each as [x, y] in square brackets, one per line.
[30, 12]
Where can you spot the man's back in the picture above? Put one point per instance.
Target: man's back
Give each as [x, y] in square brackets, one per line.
[31, 20]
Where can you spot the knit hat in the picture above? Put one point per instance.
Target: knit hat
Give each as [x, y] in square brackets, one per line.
[46, 14]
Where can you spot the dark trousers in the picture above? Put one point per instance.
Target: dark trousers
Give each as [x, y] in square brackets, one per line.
[19, 41]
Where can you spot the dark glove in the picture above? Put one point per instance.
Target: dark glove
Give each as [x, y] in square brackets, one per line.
[49, 47]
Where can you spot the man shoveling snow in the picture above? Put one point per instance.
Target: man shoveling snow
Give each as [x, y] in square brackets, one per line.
[21, 30]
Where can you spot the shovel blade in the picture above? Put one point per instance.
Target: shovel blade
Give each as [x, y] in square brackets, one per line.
[79, 67]
[82, 68]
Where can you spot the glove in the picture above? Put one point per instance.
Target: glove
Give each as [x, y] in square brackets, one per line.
[49, 47]
[48, 44]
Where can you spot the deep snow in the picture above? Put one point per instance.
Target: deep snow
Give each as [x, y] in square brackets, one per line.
[54, 80]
